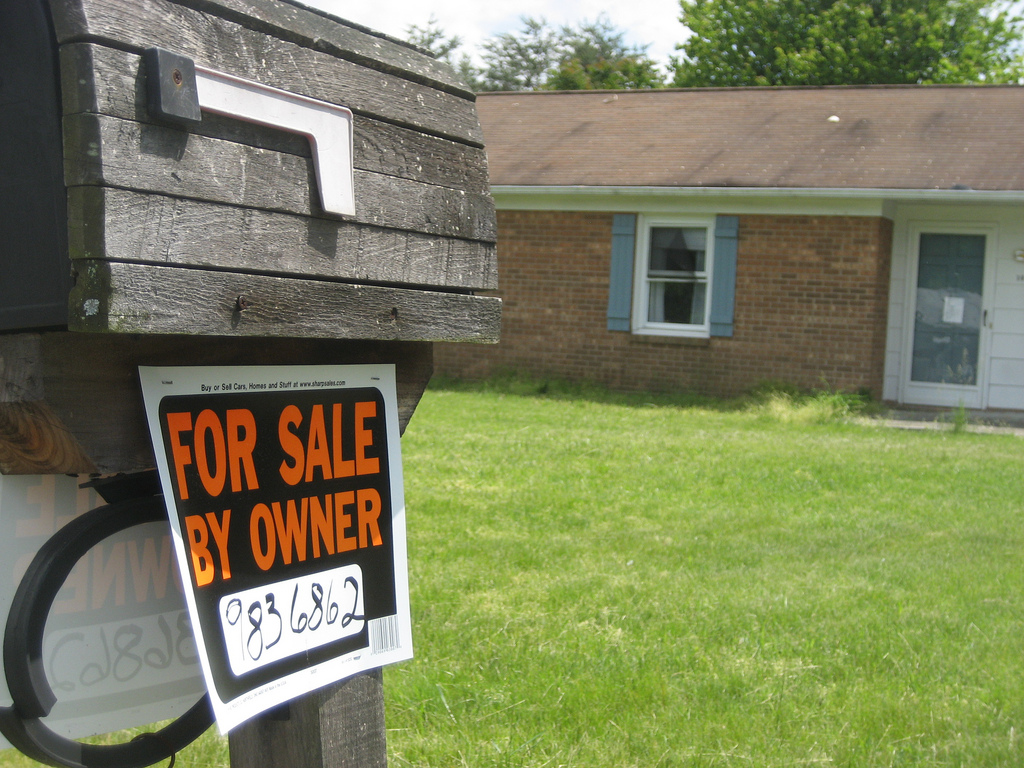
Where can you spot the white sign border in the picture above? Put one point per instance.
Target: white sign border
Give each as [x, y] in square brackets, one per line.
[164, 381]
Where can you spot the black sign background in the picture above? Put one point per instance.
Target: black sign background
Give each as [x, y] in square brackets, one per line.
[376, 562]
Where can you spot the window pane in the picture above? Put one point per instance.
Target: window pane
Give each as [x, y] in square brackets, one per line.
[947, 326]
[681, 303]
[678, 249]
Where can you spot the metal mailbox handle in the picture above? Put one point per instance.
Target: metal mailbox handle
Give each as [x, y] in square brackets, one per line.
[180, 90]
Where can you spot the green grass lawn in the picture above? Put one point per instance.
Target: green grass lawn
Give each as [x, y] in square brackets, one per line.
[623, 584]
[606, 582]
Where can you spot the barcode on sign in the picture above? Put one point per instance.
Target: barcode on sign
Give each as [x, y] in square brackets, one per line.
[384, 635]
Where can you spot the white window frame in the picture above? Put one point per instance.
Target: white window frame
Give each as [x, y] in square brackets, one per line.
[641, 282]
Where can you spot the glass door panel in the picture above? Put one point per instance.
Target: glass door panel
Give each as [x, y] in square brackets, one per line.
[947, 324]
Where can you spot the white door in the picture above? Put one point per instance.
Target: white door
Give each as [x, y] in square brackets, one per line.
[948, 363]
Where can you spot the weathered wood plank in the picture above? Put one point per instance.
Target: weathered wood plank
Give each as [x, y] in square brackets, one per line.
[226, 46]
[396, 151]
[34, 442]
[127, 226]
[341, 726]
[153, 158]
[85, 389]
[307, 28]
[108, 81]
[32, 438]
[135, 298]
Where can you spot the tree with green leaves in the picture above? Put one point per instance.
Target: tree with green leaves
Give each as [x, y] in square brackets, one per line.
[847, 42]
[595, 56]
[520, 61]
[592, 55]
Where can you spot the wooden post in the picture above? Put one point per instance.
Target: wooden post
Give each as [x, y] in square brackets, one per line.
[341, 726]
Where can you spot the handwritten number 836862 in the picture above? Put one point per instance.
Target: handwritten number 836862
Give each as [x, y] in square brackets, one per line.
[258, 632]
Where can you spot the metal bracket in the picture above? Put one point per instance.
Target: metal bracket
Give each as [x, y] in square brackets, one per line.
[179, 89]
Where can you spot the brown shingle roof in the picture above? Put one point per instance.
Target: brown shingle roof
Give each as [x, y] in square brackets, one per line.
[886, 137]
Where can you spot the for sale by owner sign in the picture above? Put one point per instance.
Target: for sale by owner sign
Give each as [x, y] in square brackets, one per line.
[284, 491]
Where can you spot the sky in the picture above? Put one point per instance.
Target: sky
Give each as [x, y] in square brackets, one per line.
[644, 22]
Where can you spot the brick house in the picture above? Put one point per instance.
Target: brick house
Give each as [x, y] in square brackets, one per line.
[712, 239]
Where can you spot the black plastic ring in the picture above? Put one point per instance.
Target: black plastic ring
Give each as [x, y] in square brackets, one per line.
[31, 692]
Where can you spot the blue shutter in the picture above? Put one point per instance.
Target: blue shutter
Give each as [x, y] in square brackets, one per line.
[620, 284]
[723, 279]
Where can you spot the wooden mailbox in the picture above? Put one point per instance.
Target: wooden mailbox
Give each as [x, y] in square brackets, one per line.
[212, 231]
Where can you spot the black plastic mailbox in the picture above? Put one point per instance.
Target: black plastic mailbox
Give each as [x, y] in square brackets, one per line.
[35, 275]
